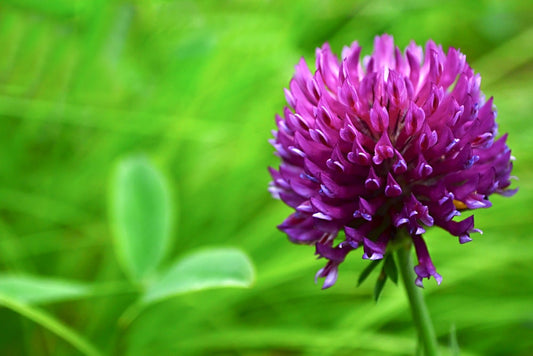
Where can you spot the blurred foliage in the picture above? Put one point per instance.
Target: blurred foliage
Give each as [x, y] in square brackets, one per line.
[195, 85]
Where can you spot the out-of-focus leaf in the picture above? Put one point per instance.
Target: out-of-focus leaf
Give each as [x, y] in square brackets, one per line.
[40, 290]
[222, 267]
[380, 283]
[140, 210]
[366, 272]
[390, 268]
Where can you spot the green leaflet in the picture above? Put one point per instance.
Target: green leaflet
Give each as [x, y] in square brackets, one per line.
[211, 268]
[140, 216]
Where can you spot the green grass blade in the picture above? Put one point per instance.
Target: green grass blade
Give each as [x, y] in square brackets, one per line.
[49, 322]
[40, 290]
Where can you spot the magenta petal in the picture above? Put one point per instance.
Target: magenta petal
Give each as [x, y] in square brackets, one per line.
[330, 273]
[300, 229]
[375, 250]
[392, 189]
[365, 210]
[354, 235]
[425, 268]
[383, 150]
[373, 182]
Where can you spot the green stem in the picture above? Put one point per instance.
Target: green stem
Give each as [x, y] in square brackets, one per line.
[52, 324]
[419, 310]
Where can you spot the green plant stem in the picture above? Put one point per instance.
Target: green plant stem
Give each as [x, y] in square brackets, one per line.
[52, 324]
[419, 310]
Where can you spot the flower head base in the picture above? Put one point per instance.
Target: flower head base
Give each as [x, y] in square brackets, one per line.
[397, 141]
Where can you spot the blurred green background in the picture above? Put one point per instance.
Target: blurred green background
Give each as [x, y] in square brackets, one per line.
[195, 85]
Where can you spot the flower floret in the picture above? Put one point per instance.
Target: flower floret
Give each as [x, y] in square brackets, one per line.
[386, 145]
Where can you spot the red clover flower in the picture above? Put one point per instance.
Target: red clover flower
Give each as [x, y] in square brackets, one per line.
[395, 142]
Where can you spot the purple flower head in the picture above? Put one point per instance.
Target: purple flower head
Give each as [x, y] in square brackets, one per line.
[396, 141]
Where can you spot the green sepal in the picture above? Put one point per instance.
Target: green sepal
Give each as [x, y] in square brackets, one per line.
[366, 272]
[390, 268]
[380, 283]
